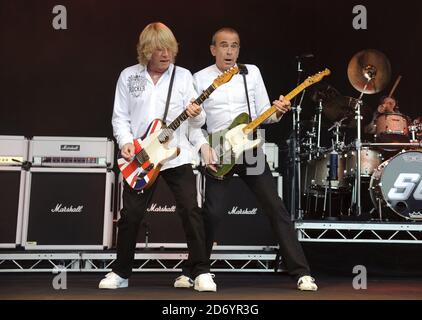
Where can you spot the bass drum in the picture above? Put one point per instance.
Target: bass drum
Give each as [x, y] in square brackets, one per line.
[396, 185]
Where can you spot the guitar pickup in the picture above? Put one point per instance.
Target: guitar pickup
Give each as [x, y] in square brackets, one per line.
[142, 156]
[146, 171]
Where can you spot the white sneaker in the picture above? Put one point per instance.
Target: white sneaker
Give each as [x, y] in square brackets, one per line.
[204, 282]
[307, 283]
[183, 282]
[113, 281]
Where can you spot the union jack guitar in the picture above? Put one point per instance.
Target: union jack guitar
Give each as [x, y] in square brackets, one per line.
[152, 150]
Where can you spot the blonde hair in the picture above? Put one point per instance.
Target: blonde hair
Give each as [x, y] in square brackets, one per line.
[155, 36]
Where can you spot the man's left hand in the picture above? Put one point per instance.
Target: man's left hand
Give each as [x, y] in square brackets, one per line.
[193, 110]
[283, 105]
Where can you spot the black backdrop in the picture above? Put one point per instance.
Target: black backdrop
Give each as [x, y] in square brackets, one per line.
[61, 82]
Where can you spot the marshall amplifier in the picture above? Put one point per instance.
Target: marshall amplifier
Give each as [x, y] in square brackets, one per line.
[12, 180]
[71, 152]
[161, 226]
[244, 224]
[13, 150]
[68, 208]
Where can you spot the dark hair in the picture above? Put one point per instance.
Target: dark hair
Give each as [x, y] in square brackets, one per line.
[224, 29]
[385, 97]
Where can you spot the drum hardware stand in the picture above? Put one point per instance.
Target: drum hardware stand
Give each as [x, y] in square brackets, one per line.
[309, 144]
[369, 73]
[337, 145]
[380, 209]
[397, 145]
[296, 206]
[319, 110]
[293, 141]
[296, 210]
[413, 129]
[333, 167]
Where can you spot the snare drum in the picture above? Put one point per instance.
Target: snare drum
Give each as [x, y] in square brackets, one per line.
[392, 127]
[369, 161]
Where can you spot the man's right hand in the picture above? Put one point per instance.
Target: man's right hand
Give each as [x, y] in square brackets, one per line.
[128, 151]
[209, 156]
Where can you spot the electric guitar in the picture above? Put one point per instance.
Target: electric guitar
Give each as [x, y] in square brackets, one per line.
[231, 143]
[152, 150]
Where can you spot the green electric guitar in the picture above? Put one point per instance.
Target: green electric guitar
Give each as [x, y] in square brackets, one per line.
[231, 143]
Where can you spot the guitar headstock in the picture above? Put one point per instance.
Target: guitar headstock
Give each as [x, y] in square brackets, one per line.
[316, 77]
[225, 77]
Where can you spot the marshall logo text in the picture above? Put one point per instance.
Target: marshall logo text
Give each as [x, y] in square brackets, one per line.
[70, 147]
[156, 208]
[64, 209]
[236, 210]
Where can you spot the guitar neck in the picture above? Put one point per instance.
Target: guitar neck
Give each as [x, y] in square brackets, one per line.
[265, 115]
[205, 94]
[183, 116]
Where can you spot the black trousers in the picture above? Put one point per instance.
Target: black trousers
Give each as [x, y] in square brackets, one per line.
[181, 182]
[265, 189]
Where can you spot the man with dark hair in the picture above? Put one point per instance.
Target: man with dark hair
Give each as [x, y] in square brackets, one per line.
[245, 93]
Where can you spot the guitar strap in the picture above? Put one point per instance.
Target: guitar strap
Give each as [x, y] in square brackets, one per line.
[169, 94]
[243, 70]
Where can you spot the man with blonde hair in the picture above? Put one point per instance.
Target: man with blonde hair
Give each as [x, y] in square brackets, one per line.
[155, 88]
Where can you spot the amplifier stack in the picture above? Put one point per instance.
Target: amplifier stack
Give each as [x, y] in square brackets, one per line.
[68, 199]
[13, 158]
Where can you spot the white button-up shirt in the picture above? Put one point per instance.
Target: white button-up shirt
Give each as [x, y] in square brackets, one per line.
[138, 101]
[229, 100]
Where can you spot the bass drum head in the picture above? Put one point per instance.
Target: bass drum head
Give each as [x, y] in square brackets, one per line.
[397, 185]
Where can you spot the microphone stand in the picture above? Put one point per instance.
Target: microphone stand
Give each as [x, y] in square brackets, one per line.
[295, 208]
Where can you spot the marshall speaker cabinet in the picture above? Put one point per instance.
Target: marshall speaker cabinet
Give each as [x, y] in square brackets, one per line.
[13, 153]
[68, 208]
[161, 226]
[244, 224]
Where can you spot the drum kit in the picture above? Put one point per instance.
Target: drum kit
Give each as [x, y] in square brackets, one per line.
[385, 171]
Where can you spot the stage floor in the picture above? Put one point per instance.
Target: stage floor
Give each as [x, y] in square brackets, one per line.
[231, 286]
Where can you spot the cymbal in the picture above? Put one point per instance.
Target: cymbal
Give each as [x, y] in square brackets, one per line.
[344, 107]
[323, 91]
[370, 65]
